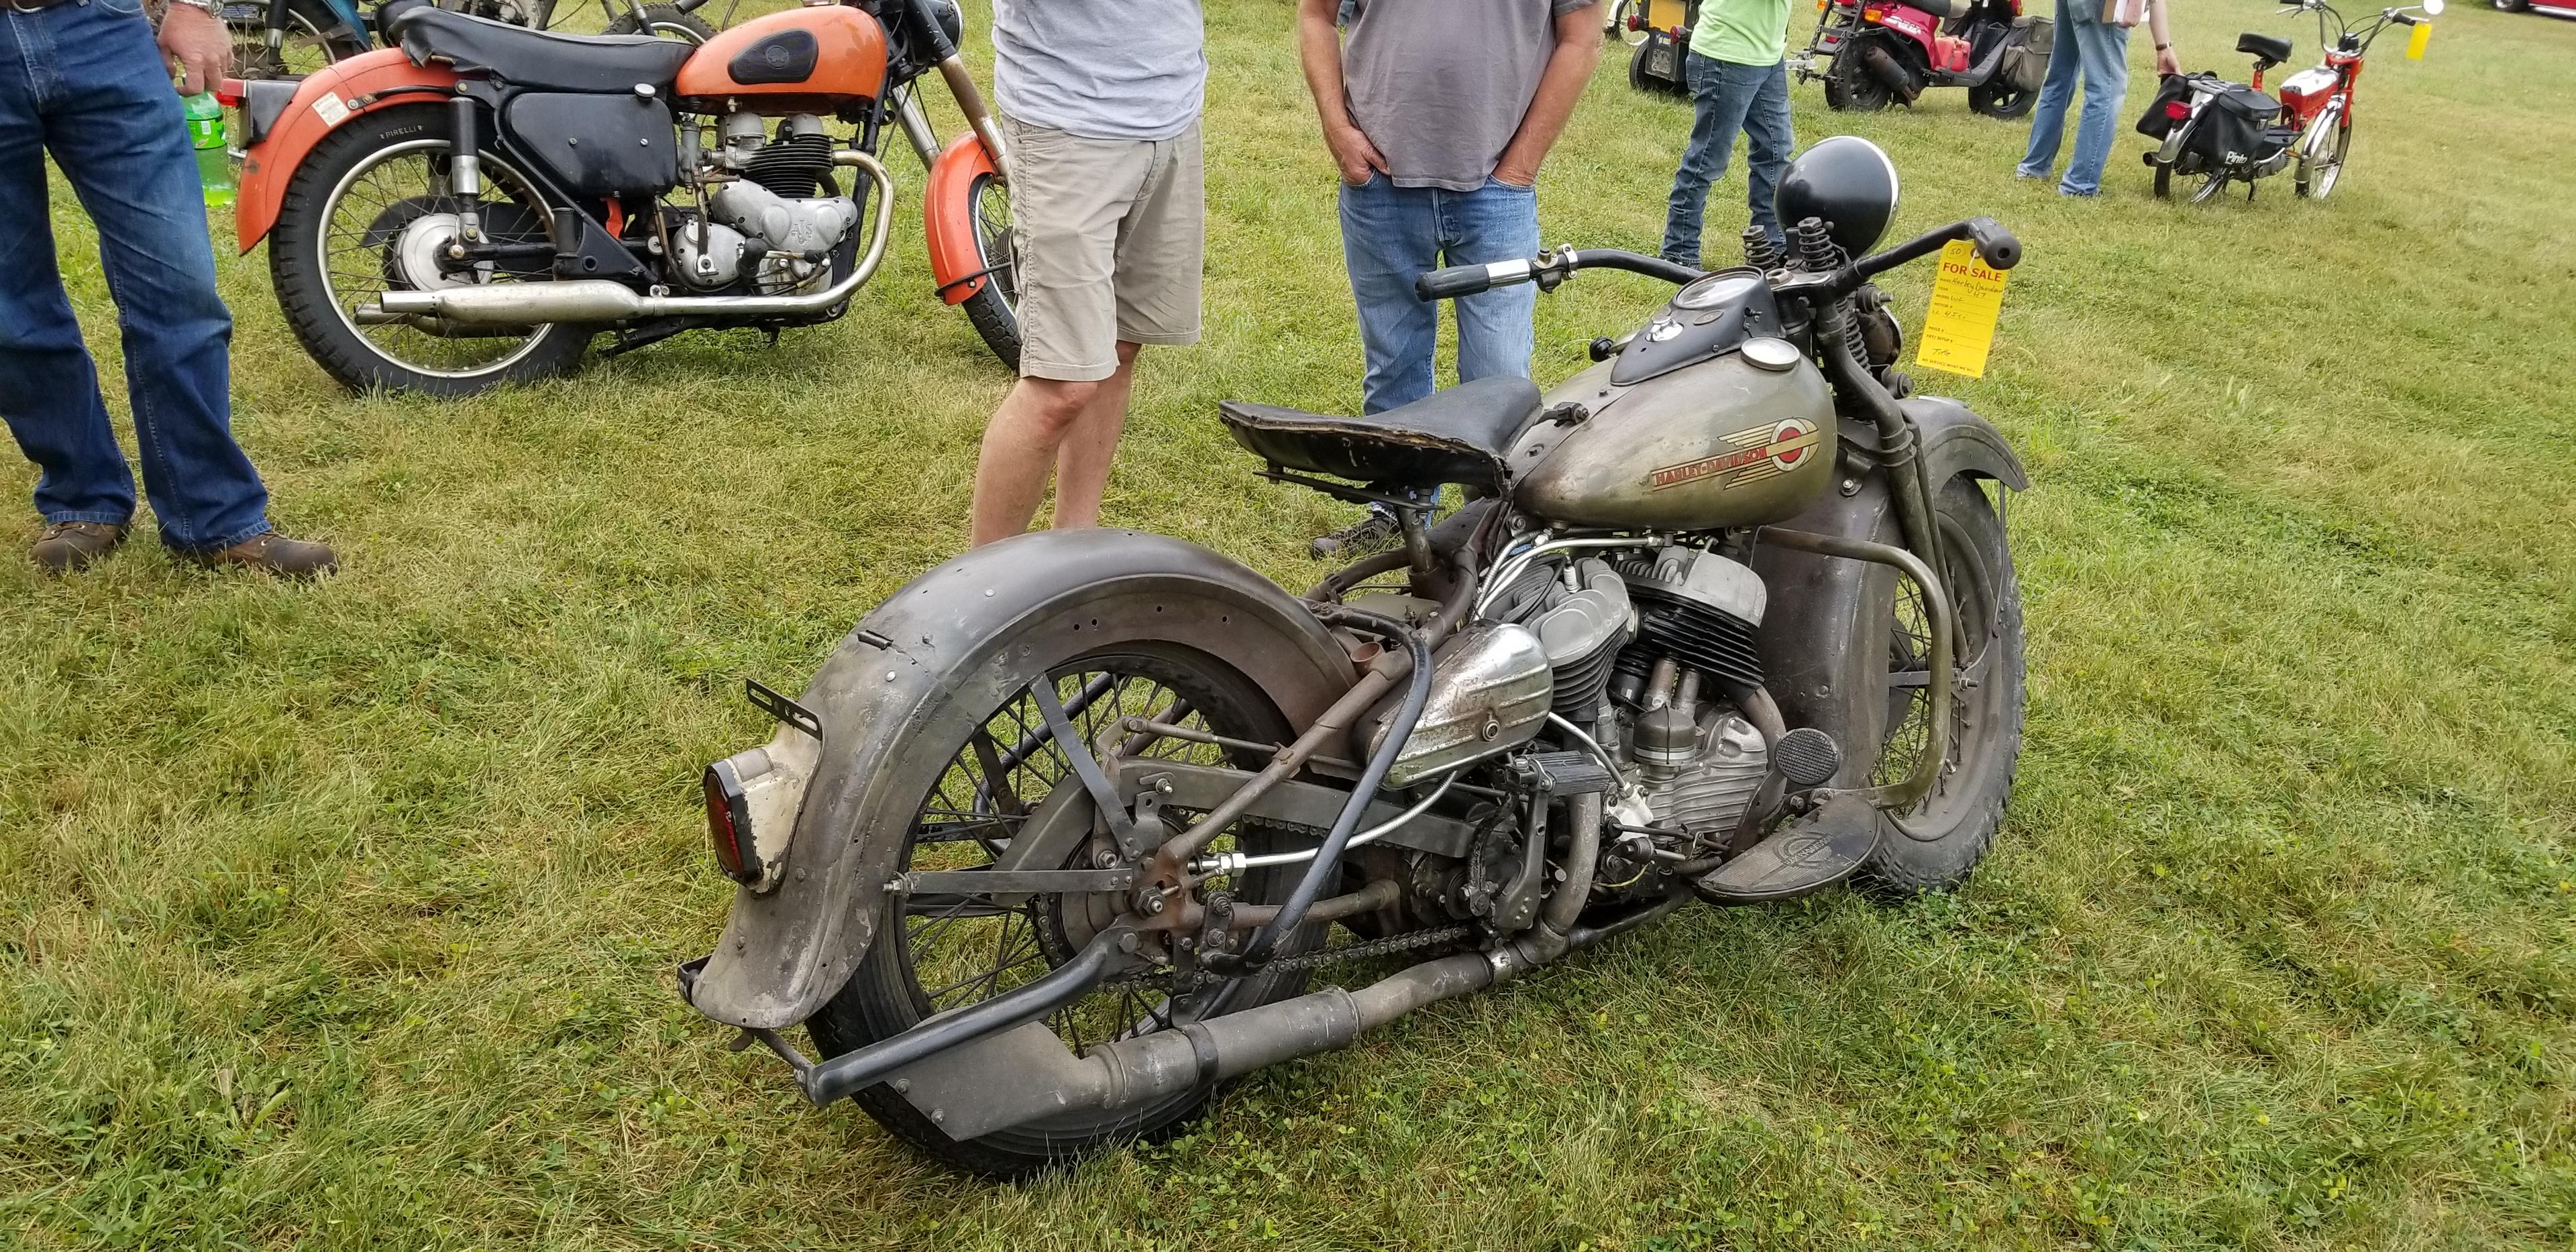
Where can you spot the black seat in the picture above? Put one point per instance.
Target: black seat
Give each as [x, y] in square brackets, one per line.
[1461, 435]
[533, 58]
[2270, 48]
[1938, 8]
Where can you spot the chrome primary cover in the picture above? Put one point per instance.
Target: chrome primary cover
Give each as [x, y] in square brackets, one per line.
[1489, 691]
[1723, 443]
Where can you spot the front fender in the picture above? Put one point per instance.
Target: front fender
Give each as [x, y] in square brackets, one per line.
[957, 642]
[948, 217]
[326, 99]
[1956, 441]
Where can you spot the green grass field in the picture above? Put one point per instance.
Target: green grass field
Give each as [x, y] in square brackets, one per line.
[343, 916]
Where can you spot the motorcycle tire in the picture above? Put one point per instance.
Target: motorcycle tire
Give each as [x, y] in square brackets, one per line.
[667, 21]
[315, 37]
[994, 308]
[2320, 160]
[320, 317]
[1850, 87]
[2001, 100]
[1936, 844]
[889, 992]
[2164, 180]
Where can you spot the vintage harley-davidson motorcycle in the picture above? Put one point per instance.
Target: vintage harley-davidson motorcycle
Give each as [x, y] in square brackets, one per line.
[474, 205]
[1050, 847]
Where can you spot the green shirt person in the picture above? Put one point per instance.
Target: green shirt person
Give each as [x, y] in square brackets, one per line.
[1738, 83]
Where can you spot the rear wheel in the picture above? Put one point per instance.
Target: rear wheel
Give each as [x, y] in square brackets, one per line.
[371, 210]
[995, 306]
[2321, 153]
[664, 21]
[2001, 99]
[942, 953]
[1935, 844]
[1850, 86]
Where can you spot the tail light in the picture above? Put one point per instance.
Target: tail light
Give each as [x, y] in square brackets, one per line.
[228, 93]
[2176, 110]
[729, 821]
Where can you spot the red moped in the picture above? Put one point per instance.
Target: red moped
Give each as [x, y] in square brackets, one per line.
[1874, 53]
[2224, 133]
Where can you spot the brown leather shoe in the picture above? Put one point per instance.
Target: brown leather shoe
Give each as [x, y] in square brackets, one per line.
[273, 553]
[69, 547]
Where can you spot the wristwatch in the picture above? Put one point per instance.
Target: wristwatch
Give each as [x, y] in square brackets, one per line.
[211, 8]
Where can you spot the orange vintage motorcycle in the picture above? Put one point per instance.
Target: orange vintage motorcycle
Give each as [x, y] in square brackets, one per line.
[474, 205]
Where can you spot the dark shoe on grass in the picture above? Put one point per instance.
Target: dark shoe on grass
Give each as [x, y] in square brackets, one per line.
[273, 553]
[70, 547]
[1366, 537]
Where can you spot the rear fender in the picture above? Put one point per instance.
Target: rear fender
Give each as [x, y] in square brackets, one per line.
[927, 666]
[326, 100]
[948, 218]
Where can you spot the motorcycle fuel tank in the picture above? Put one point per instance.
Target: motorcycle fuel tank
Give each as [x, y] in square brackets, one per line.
[805, 60]
[1745, 438]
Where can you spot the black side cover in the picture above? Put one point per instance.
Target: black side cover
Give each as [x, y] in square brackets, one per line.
[786, 57]
[598, 145]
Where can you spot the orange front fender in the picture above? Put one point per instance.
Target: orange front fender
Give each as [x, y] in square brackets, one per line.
[948, 218]
[345, 89]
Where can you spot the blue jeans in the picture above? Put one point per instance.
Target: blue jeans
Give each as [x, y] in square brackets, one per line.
[83, 80]
[2100, 54]
[1726, 98]
[1390, 234]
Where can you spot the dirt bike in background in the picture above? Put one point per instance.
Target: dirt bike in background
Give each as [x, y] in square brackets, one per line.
[291, 38]
[1044, 854]
[2222, 132]
[472, 207]
[1874, 53]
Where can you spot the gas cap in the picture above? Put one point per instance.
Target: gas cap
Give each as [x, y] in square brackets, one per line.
[1771, 354]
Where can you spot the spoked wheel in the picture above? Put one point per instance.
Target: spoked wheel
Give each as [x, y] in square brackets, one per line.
[994, 308]
[2003, 100]
[1936, 843]
[2321, 153]
[2211, 186]
[663, 21]
[943, 952]
[1619, 28]
[313, 37]
[373, 210]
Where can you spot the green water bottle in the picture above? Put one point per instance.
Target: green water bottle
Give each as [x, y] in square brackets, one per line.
[206, 131]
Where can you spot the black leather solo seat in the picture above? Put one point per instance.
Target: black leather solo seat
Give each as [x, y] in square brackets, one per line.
[2271, 48]
[535, 59]
[1461, 435]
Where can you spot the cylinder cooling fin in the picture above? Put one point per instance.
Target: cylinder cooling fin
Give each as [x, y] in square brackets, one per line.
[1700, 609]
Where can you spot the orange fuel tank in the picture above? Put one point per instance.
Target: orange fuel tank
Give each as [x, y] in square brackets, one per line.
[806, 60]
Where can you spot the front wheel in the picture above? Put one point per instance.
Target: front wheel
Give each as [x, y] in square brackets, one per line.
[314, 37]
[2001, 99]
[371, 210]
[1934, 845]
[663, 21]
[995, 307]
[2321, 153]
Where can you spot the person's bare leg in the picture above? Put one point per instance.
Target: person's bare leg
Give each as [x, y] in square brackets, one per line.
[1020, 446]
[1082, 465]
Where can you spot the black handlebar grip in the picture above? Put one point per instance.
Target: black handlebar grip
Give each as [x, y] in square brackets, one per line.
[1457, 280]
[1994, 243]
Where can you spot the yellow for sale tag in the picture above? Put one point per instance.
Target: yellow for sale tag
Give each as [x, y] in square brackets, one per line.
[2417, 42]
[1966, 300]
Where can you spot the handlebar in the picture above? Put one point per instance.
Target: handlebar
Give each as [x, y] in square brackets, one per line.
[1997, 245]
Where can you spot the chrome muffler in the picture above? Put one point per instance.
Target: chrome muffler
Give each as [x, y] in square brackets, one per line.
[600, 300]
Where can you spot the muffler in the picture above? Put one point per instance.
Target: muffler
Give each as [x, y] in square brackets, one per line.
[1885, 69]
[600, 300]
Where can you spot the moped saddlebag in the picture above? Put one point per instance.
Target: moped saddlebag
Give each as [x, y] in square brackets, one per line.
[2025, 64]
[2158, 121]
[2237, 128]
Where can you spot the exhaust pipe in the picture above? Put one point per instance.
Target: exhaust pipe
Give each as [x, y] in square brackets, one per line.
[1885, 69]
[600, 300]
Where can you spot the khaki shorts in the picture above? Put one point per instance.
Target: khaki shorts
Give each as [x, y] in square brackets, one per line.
[1111, 236]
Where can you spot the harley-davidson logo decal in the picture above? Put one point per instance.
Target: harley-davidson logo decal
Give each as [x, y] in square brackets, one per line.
[1758, 454]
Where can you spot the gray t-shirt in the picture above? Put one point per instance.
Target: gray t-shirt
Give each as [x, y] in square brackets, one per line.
[1101, 69]
[1440, 85]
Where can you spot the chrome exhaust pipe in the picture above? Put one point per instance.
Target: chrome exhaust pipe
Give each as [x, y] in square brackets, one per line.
[600, 300]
